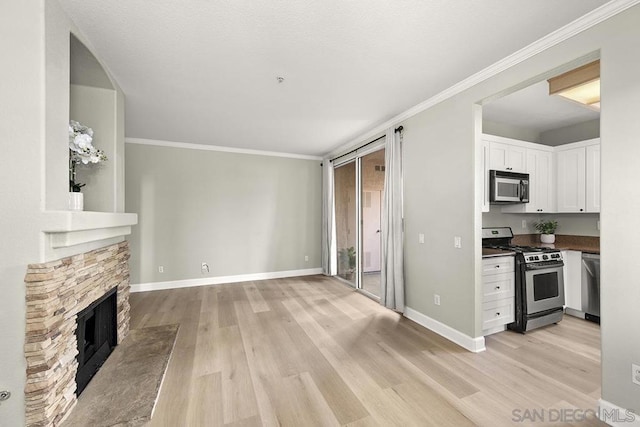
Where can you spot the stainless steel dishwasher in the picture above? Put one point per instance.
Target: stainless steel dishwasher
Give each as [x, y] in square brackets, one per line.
[591, 287]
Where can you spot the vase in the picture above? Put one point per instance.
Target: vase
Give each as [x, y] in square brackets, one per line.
[547, 238]
[76, 201]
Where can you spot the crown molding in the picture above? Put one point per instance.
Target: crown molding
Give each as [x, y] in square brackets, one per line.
[204, 147]
[581, 24]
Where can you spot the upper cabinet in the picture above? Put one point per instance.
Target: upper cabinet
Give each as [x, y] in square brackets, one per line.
[593, 178]
[541, 183]
[578, 176]
[561, 179]
[507, 157]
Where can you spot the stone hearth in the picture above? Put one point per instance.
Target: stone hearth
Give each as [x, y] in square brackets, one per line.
[56, 292]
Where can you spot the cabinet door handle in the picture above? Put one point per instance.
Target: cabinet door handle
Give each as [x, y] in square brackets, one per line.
[497, 266]
[497, 287]
[498, 314]
[509, 169]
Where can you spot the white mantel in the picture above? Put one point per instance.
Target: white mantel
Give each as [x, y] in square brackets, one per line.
[70, 228]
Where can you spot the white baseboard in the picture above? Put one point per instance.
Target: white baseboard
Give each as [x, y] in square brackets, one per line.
[616, 416]
[205, 281]
[474, 345]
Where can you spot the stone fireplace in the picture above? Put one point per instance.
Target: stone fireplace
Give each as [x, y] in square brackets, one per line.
[56, 292]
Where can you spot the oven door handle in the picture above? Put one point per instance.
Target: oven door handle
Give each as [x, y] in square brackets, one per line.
[545, 267]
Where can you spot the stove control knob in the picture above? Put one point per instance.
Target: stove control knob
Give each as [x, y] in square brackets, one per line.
[544, 257]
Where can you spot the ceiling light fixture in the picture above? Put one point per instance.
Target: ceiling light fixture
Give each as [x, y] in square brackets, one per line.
[280, 79]
[581, 85]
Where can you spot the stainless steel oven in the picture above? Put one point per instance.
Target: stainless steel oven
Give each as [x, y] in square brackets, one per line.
[539, 288]
[545, 287]
[539, 282]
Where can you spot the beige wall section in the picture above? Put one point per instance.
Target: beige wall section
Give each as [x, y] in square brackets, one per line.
[439, 198]
[510, 131]
[21, 181]
[438, 162]
[620, 133]
[240, 213]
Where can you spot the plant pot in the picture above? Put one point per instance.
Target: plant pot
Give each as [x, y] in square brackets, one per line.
[76, 201]
[547, 238]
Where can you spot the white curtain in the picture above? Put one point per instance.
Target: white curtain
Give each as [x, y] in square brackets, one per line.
[392, 269]
[329, 260]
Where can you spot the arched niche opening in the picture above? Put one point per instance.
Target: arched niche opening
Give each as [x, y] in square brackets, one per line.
[93, 102]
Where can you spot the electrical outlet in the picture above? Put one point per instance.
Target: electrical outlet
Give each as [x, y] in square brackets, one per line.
[306, 258]
[204, 268]
[421, 238]
[436, 299]
[524, 223]
[457, 242]
[635, 373]
[160, 269]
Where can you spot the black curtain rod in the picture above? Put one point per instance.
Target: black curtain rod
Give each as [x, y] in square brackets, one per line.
[398, 129]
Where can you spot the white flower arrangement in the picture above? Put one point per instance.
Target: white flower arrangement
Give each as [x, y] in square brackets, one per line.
[80, 144]
[81, 150]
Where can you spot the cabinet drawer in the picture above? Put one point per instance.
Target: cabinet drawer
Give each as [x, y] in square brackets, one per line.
[498, 313]
[498, 265]
[498, 286]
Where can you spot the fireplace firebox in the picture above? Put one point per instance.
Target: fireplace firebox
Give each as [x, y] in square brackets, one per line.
[97, 336]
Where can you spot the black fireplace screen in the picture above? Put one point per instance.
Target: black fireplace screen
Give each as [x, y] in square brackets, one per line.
[97, 335]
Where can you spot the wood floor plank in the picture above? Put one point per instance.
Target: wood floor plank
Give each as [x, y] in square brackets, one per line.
[312, 351]
[255, 298]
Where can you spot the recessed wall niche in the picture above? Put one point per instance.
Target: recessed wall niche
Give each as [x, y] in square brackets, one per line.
[93, 101]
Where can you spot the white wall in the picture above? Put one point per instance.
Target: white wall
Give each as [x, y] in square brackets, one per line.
[21, 181]
[240, 213]
[620, 239]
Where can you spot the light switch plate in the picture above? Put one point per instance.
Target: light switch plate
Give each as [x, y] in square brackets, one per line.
[420, 238]
[457, 242]
[635, 373]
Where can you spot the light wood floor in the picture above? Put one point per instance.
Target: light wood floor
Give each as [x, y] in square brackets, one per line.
[312, 351]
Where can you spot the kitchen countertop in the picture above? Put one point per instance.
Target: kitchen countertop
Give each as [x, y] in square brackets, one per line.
[589, 244]
[490, 252]
[564, 242]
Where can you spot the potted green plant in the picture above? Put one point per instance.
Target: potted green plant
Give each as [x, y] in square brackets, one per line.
[547, 230]
[348, 261]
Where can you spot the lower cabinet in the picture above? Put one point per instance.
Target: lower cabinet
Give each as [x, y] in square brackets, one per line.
[498, 293]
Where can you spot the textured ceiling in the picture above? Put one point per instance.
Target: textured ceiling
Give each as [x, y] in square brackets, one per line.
[204, 72]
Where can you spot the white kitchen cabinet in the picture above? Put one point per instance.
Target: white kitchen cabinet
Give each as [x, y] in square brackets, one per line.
[539, 166]
[572, 272]
[592, 178]
[507, 157]
[574, 183]
[571, 180]
[498, 293]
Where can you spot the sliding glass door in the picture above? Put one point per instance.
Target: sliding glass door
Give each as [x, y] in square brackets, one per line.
[359, 184]
[372, 185]
[346, 220]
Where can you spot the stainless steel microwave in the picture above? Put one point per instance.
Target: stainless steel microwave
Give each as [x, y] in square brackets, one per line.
[508, 187]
